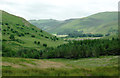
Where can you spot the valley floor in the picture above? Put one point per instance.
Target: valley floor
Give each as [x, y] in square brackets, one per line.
[102, 66]
[83, 38]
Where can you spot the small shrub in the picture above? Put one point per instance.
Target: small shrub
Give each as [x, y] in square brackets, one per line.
[8, 33]
[11, 29]
[19, 35]
[33, 36]
[16, 31]
[2, 23]
[4, 29]
[45, 45]
[28, 33]
[8, 27]
[22, 34]
[32, 28]
[6, 23]
[4, 33]
[4, 40]
[17, 24]
[46, 37]
[12, 37]
[38, 42]
[41, 31]
[42, 35]
[35, 42]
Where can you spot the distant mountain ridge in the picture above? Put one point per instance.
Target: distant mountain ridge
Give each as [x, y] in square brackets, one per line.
[102, 23]
[46, 24]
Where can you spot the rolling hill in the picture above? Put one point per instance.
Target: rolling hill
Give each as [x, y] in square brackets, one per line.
[17, 33]
[46, 24]
[100, 23]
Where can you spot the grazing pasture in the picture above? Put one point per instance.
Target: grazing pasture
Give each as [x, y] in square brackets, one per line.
[102, 66]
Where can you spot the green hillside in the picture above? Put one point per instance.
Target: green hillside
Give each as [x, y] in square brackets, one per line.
[46, 24]
[17, 33]
[100, 23]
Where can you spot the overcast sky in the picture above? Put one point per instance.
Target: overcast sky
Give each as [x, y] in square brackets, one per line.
[57, 9]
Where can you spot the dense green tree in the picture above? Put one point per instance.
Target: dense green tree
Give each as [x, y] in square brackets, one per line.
[38, 42]
[12, 37]
[45, 45]
[84, 49]
[35, 42]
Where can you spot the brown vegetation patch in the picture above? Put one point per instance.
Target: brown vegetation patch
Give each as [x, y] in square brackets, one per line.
[11, 64]
[48, 64]
[37, 64]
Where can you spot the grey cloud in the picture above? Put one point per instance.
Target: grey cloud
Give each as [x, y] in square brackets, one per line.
[52, 9]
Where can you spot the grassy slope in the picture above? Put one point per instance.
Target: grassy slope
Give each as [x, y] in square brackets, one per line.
[103, 66]
[103, 22]
[98, 23]
[27, 40]
[47, 24]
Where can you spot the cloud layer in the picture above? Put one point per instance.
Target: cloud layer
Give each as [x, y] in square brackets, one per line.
[57, 9]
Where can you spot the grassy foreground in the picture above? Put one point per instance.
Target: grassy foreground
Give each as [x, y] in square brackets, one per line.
[103, 66]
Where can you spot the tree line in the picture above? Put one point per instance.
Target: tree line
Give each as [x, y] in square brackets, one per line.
[73, 49]
[84, 49]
